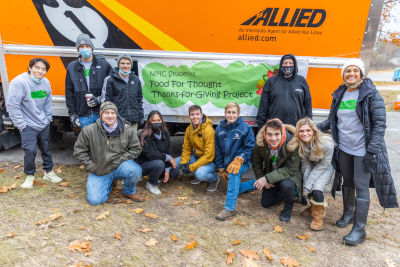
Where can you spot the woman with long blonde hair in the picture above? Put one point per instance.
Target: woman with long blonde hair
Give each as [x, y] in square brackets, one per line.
[315, 150]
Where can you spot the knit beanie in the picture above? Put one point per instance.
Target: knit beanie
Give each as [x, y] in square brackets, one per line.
[108, 105]
[354, 62]
[124, 56]
[83, 39]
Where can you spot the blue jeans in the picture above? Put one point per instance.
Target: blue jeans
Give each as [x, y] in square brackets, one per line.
[86, 120]
[205, 173]
[235, 187]
[99, 187]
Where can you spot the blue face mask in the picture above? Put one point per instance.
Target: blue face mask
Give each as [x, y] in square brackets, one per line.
[124, 73]
[85, 52]
[36, 80]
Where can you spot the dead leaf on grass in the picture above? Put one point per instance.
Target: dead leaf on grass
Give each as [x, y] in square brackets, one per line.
[83, 228]
[151, 242]
[80, 264]
[72, 195]
[278, 229]
[178, 203]
[236, 242]
[145, 230]
[5, 189]
[289, 262]
[191, 213]
[151, 215]
[303, 237]
[267, 254]
[165, 193]
[118, 236]
[174, 238]
[191, 236]
[52, 217]
[64, 184]
[246, 262]
[38, 183]
[2, 170]
[249, 254]
[59, 169]
[76, 211]
[79, 246]
[236, 221]
[147, 197]
[88, 238]
[18, 166]
[191, 245]
[10, 235]
[82, 167]
[389, 262]
[138, 210]
[310, 248]
[125, 201]
[183, 198]
[180, 187]
[231, 255]
[103, 215]
[17, 176]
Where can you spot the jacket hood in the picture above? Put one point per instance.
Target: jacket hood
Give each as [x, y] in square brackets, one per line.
[367, 87]
[290, 131]
[295, 66]
[205, 121]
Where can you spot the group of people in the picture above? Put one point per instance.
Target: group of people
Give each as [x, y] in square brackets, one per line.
[291, 156]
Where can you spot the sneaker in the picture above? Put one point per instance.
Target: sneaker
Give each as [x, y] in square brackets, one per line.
[225, 214]
[195, 181]
[153, 189]
[213, 186]
[52, 177]
[28, 182]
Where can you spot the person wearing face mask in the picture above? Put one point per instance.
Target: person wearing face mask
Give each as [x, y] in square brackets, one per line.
[124, 89]
[84, 83]
[357, 120]
[28, 103]
[156, 160]
[285, 96]
[234, 142]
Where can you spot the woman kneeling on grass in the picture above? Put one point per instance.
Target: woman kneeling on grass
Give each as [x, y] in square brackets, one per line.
[156, 158]
[234, 142]
[315, 150]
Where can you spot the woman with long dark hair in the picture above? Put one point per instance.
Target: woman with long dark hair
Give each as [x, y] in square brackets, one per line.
[156, 158]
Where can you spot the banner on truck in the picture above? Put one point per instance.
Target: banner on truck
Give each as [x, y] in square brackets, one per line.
[171, 86]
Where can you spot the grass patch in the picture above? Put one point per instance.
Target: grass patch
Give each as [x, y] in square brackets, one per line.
[390, 96]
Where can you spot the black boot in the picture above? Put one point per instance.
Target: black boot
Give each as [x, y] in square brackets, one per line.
[286, 213]
[348, 207]
[358, 234]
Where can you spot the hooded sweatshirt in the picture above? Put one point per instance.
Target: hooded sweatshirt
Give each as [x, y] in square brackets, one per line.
[29, 103]
[287, 99]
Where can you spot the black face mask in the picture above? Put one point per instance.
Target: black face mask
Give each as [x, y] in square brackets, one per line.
[156, 126]
[287, 70]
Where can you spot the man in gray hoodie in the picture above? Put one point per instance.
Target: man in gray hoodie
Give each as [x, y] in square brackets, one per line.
[28, 103]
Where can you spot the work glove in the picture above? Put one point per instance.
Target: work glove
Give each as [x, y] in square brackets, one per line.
[223, 174]
[370, 161]
[94, 101]
[185, 168]
[235, 165]
[75, 120]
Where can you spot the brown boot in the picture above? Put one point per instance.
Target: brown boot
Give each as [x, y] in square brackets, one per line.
[306, 212]
[225, 214]
[318, 213]
[135, 197]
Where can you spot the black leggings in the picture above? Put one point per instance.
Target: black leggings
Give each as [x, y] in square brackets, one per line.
[317, 195]
[154, 169]
[285, 189]
[355, 174]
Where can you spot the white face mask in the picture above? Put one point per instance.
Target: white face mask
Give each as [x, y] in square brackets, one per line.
[36, 80]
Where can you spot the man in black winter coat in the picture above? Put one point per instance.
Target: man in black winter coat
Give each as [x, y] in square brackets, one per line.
[285, 96]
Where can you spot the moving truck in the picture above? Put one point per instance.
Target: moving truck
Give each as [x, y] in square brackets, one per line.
[188, 52]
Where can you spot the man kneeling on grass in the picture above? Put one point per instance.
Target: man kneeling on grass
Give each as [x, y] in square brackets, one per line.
[277, 163]
[107, 149]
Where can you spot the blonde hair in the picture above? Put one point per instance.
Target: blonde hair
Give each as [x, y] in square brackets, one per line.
[317, 152]
[231, 105]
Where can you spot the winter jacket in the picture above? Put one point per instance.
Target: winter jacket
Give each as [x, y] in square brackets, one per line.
[100, 153]
[317, 173]
[288, 164]
[199, 142]
[370, 110]
[287, 99]
[155, 149]
[76, 86]
[231, 141]
[126, 96]
[29, 103]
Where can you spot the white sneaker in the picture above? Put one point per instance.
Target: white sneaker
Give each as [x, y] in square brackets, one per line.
[28, 182]
[52, 177]
[153, 188]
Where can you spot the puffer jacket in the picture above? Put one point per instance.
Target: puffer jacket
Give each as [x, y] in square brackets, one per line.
[200, 142]
[231, 141]
[288, 164]
[371, 111]
[155, 149]
[76, 86]
[127, 97]
[100, 153]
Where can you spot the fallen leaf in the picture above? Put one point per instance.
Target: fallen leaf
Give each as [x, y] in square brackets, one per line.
[2, 170]
[18, 166]
[236, 221]
[145, 230]
[183, 198]
[249, 254]
[79, 246]
[76, 211]
[289, 262]
[278, 229]
[83, 228]
[38, 183]
[310, 248]
[174, 238]
[191, 236]
[151, 242]
[138, 210]
[147, 197]
[82, 167]
[59, 169]
[191, 245]
[88, 238]
[5, 189]
[151, 215]
[80, 264]
[178, 203]
[17, 176]
[180, 187]
[229, 259]
[72, 195]
[236, 242]
[103, 215]
[389, 262]
[64, 184]
[52, 217]
[61, 224]
[246, 262]
[191, 213]
[88, 253]
[118, 236]
[267, 254]
[125, 201]
[303, 237]
[10, 235]
[165, 193]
